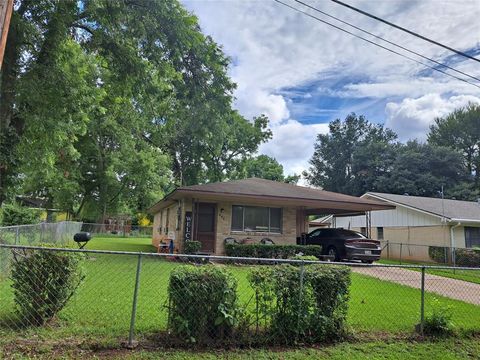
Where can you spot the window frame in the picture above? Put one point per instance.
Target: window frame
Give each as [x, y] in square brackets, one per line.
[269, 231]
[380, 231]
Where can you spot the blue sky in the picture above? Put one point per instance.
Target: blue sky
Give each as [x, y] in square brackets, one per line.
[303, 74]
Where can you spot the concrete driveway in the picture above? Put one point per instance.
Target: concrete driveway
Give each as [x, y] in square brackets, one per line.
[452, 288]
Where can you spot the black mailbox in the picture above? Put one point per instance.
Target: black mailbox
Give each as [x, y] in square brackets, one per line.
[82, 238]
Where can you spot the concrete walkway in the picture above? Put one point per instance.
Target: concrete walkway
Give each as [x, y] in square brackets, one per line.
[452, 288]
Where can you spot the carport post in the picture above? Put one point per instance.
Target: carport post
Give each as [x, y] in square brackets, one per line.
[422, 302]
[134, 304]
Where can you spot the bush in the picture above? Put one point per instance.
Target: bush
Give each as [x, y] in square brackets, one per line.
[439, 254]
[305, 258]
[467, 257]
[43, 282]
[192, 247]
[307, 304]
[13, 214]
[202, 303]
[439, 321]
[272, 251]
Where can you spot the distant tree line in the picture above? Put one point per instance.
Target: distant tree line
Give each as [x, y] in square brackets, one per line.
[357, 156]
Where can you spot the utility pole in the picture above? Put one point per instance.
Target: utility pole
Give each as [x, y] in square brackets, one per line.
[6, 8]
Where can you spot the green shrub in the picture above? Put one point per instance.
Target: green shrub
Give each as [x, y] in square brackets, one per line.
[272, 251]
[301, 304]
[13, 214]
[439, 321]
[439, 254]
[202, 304]
[192, 247]
[305, 258]
[43, 282]
[467, 257]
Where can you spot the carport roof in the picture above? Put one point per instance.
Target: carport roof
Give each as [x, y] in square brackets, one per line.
[274, 193]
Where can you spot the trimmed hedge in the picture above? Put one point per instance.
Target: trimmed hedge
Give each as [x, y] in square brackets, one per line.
[192, 247]
[202, 304]
[439, 254]
[272, 251]
[467, 257]
[43, 282]
[301, 305]
[463, 257]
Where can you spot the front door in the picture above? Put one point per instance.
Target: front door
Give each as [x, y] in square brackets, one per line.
[205, 226]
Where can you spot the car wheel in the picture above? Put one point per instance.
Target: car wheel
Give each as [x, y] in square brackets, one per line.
[332, 251]
[367, 261]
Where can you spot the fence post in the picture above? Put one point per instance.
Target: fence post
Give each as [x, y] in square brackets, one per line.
[454, 255]
[401, 246]
[130, 343]
[300, 300]
[388, 249]
[422, 302]
[17, 235]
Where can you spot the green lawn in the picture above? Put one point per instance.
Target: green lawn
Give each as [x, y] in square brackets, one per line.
[101, 308]
[465, 275]
[447, 349]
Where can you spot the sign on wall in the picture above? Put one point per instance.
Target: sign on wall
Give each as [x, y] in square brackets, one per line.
[188, 225]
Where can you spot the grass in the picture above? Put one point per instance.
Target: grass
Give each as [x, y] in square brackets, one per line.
[399, 349]
[447, 349]
[100, 310]
[465, 275]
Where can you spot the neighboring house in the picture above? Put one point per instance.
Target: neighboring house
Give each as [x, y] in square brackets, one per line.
[419, 221]
[250, 208]
[45, 213]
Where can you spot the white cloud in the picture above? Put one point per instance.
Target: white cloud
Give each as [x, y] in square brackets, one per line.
[274, 106]
[292, 144]
[411, 118]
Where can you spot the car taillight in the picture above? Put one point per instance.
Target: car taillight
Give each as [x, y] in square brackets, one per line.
[362, 241]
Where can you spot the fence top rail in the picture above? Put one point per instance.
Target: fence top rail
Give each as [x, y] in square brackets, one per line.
[37, 224]
[230, 258]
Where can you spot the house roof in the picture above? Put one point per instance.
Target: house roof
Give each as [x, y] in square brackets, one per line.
[275, 192]
[455, 210]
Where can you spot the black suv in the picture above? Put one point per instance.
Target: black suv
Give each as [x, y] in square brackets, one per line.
[345, 244]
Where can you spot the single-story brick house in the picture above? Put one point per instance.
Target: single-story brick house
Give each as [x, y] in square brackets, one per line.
[251, 208]
[417, 222]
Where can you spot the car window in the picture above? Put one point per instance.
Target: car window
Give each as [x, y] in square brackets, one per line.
[314, 233]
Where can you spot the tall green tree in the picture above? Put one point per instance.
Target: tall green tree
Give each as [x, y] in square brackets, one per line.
[102, 101]
[351, 156]
[263, 167]
[422, 170]
[460, 130]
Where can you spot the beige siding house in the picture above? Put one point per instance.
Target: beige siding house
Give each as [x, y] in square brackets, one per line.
[417, 223]
[250, 209]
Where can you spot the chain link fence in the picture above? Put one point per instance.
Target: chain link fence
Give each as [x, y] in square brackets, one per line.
[60, 233]
[192, 300]
[118, 230]
[407, 252]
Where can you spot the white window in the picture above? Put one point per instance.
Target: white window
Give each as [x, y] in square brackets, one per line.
[256, 218]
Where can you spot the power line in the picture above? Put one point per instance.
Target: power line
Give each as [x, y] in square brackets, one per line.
[406, 30]
[386, 40]
[374, 43]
